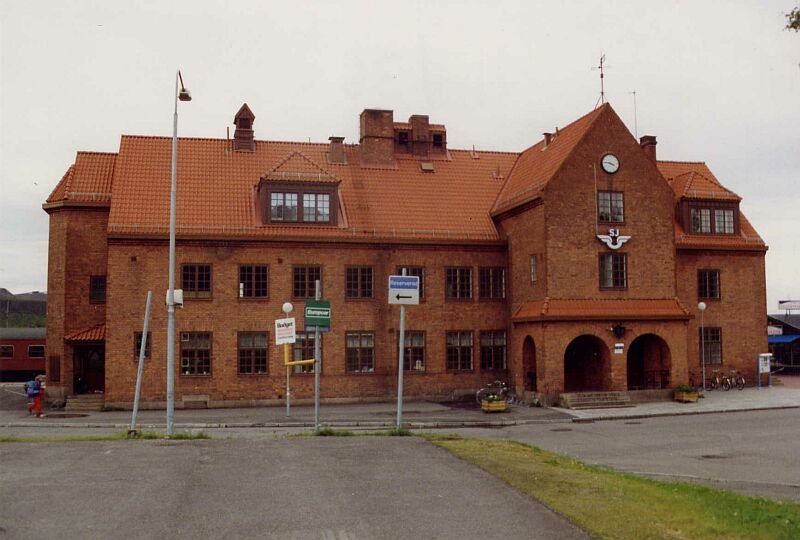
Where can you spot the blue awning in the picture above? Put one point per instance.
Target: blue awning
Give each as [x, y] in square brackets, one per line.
[775, 340]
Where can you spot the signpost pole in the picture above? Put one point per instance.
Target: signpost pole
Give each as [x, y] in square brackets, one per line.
[400, 364]
[288, 387]
[317, 367]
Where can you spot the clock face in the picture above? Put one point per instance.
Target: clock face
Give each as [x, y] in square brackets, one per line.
[610, 163]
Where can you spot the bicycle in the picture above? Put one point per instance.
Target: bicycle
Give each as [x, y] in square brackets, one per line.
[718, 381]
[494, 388]
[737, 379]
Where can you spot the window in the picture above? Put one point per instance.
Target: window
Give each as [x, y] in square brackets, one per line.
[6, 351]
[613, 271]
[359, 356]
[493, 350]
[458, 283]
[97, 289]
[304, 281]
[438, 140]
[137, 345]
[610, 207]
[303, 349]
[35, 351]
[723, 221]
[253, 353]
[418, 271]
[701, 220]
[711, 340]
[402, 141]
[196, 280]
[492, 283]
[54, 372]
[316, 207]
[253, 281]
[413, 351]
[195, 353]
[459, 351]
[283, 206]
[534, 269]
[708, 284]
[358, 282]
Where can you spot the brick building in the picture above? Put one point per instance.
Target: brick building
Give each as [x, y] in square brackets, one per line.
[575, 265]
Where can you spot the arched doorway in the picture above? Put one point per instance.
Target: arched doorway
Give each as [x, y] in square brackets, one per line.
[586, 365]
[529, 363]
[649, 363]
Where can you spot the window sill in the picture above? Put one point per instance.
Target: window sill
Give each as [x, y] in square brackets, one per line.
[256, 375]
[196, 375]
[253, 299]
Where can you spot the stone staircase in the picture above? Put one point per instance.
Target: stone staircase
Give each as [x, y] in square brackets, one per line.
[595, 400]
[84, 403]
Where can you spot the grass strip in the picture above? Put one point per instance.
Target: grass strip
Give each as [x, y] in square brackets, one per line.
[123, 436]
[609, 504]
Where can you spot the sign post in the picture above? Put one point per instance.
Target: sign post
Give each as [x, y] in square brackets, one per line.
[285, 335]
[764, 361]
[318, 317]
[403, 290]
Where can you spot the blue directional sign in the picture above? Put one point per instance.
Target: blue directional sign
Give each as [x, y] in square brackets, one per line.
[404, 290]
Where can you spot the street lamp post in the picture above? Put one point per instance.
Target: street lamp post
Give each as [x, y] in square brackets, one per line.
[702, 307]
[181, 94]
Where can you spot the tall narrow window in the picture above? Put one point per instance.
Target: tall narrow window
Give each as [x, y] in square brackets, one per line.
[137, 345]
[253, 281]
[303, 349]
[492, 283]
[723, 221]
[196, 280]
[459, 351]
[708, 284]
[195, 353]
[413, 350]
[358, 282]
[610, 207]
[253, 356]
[493, 350]
[458, 283]
[283, 206]
[97, 289]
[701, 220]
[613, 271]
[359, 355]
[534, 269]
[418, 271]
[711, 339]
[304, 281]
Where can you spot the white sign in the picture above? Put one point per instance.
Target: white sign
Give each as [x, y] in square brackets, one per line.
[763, 362]
[285, 331]
[404, 290]
[619, 348]
[789, 304]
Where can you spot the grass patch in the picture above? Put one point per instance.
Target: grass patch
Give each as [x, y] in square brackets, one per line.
[609, 504]
[330, 432]
[123, 436]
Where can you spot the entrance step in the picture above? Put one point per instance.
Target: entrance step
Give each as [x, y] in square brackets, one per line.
[85, 403]
[595, 400]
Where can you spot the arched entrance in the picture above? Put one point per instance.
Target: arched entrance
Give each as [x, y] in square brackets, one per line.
[586, 365]
[649, 363]
[529, 363]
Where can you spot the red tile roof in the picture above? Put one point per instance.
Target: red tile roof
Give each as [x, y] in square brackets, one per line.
[694, 180]
[537, 165]
[88, 180]
[95, 333]
[591, 309]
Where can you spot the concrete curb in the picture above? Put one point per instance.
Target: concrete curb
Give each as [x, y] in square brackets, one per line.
[588, 420]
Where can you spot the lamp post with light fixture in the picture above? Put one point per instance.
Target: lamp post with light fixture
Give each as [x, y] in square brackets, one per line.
[702, 307]
[181, 94]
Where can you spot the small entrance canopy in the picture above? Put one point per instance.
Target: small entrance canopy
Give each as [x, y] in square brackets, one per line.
[89, 335]
[777, 340]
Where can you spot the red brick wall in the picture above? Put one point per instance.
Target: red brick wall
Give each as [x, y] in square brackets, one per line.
[740, 312]
[224, 315]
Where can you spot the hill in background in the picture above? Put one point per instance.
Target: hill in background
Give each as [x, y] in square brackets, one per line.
[26, 310]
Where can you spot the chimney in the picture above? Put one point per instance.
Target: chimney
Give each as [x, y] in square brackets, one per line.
[548, 138]
[243, 136]
[336, 150]
[420, 135]
[648, 144]
[377, 137]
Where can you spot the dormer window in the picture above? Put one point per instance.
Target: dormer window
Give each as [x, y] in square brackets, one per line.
[712, 218]
[283, 206]
[302, 204]
[316, 207]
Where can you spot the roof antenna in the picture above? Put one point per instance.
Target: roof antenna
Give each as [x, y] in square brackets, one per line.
[601, 67]
[635, 117]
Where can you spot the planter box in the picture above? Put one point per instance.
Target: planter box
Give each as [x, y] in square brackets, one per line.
[686, 397]
[493, 406]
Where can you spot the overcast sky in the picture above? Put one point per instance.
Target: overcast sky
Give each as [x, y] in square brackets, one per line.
[715, 81]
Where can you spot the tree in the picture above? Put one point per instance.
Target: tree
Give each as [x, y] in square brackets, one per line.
[793, 20]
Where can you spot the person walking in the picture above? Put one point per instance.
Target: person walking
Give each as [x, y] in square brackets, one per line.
[35, 390]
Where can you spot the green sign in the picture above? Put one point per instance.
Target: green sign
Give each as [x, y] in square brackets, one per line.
[318, 313]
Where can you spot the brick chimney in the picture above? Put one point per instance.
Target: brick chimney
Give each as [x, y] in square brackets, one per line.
[243, 136]
[420, 135]
[336, 150]
[377, 137]
[648, 144]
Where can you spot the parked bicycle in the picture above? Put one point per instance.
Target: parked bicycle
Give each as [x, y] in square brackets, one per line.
[736, 379]
[495, 388]
[718, 381]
